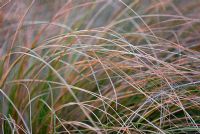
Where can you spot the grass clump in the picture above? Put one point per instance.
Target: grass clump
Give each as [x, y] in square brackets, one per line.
[99, 66]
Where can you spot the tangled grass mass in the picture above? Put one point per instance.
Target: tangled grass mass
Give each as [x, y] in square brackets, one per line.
[99, 67]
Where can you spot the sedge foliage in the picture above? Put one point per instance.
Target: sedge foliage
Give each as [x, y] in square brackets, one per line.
[99, 66]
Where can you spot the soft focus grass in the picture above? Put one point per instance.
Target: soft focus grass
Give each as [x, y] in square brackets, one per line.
[104, 66]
